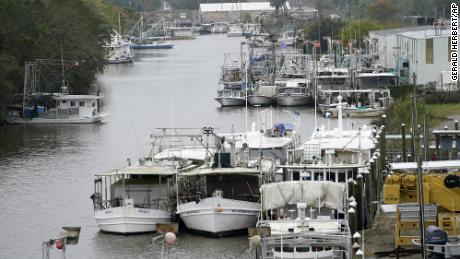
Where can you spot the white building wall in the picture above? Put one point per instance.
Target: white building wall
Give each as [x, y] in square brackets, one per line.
[414, 50]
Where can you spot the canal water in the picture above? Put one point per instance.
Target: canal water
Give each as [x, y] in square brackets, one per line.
[46, 171]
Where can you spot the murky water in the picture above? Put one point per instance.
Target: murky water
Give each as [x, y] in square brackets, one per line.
[46, 172]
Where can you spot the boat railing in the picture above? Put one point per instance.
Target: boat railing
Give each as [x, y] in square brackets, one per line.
[161, 204]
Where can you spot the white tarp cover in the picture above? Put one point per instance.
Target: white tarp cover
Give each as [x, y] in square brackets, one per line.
[327, 194]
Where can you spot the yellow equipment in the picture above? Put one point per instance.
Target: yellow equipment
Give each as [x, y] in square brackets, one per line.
[440, 189]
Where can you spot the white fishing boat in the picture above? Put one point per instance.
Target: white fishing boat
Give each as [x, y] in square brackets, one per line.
[230, 97]
[220, 27]
[294, 92]
[231, 84]
[295, 234]
[118, 50]
[54, 108]
[355, 103]
[235, 30]
[262, 94]
[134, 199]
[226, 206]
[287, 39]
[182, 33]
[227, 199]
[331, 78]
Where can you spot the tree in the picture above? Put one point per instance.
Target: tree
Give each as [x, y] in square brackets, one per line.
[323, 28]
[278, 4]
[35, 29]
[383, 11]
[356, 30]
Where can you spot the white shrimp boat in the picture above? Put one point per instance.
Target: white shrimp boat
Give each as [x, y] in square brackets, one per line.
[293, 92]
[54, 108]
[263, 94]
[235, 30]
[133, 200]
[313, 236]
[118, 50]
[231, 207]
[355, 103]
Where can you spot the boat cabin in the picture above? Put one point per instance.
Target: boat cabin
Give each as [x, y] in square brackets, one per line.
[375, 80]
[75, 105]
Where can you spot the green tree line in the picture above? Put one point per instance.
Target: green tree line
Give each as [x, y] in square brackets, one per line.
[36, 29]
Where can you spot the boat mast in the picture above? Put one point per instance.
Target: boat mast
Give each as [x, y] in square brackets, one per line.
[119, 23]
[63, 87]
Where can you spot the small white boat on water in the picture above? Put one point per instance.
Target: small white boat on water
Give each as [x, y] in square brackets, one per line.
[134, 199]
[235, 30]
[230, 97]
[355, 103]
[118, 50]
[54, 108]
[231, 84]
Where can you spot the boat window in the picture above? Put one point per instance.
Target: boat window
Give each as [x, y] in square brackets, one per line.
[302, 249]
[288, 249]
[318, 176]
[317, 249]
[330, 176]
[295, 175]
[81, 104]
[342, 177]
[64, 101]
[278, 249]
[306, 176]
[327, 248]
[72, 103]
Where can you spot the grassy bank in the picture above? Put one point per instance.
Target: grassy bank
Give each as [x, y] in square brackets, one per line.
[401, 112]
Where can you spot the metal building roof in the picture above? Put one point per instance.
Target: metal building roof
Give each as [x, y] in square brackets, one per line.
[228, 7]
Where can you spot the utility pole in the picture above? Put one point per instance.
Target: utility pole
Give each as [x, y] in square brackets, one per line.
[418, 158]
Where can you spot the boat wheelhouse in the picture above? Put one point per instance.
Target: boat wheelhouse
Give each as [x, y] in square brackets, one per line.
[134, 199]
[332, 79]
[375, 80]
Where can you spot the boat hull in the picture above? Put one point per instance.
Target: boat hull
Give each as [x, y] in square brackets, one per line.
[292, 100]
[130, 220]
[119, 61]
[228, 101]
[160, 46]
[356, 113]
[218, 217]
[234, 34]
[260, 100]
[76, 120]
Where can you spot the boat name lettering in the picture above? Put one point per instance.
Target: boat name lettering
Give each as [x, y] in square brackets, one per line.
[192, 212]
[108, 211]
[142, 211]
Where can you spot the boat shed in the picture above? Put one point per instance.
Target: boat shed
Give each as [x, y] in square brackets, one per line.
[232, 12]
